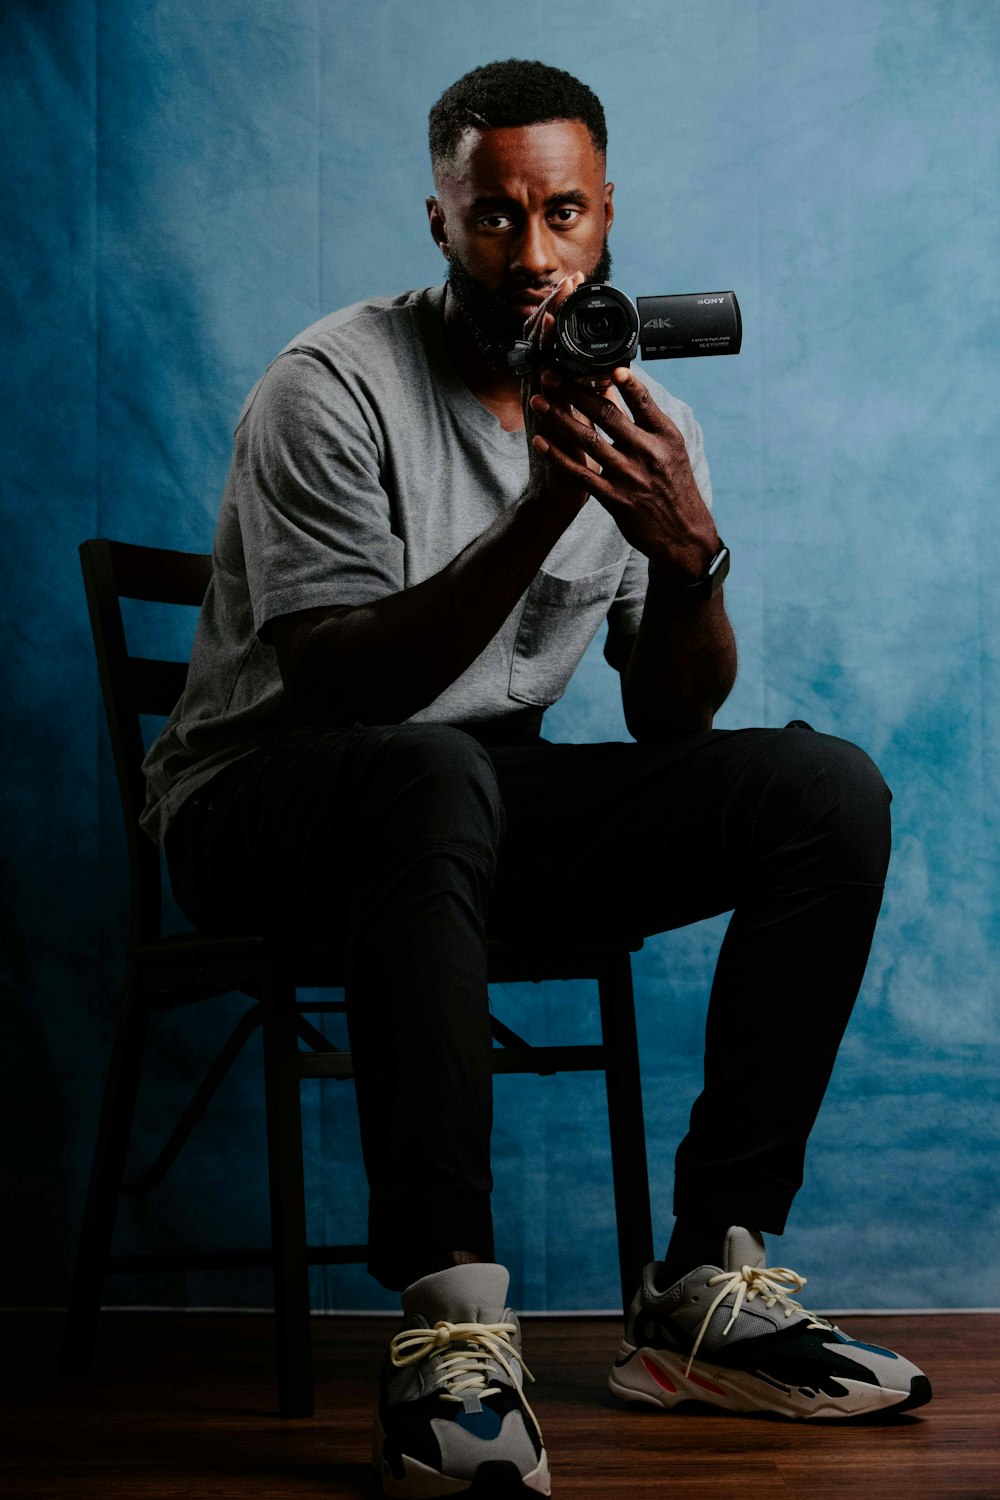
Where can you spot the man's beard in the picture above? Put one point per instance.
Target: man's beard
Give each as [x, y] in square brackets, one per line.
[494, 323]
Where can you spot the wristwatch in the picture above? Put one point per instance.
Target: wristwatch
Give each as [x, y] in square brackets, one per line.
[705, 587]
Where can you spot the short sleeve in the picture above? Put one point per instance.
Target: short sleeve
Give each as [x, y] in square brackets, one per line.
[315, 517]
[626, 607]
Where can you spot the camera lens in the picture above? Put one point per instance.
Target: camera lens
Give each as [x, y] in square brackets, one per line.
[597, 327]
[601, 326]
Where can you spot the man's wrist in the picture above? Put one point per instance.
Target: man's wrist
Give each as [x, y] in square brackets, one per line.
[692, 587]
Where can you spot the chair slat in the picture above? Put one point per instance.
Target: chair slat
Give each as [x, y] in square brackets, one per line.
[159, 576]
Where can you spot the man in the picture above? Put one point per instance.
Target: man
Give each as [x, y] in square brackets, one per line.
[412, 556]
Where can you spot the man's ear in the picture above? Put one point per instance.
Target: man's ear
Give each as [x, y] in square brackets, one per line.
[438, 225]
[609, 207]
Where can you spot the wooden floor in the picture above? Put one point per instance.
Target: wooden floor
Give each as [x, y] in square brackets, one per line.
[185, 1406]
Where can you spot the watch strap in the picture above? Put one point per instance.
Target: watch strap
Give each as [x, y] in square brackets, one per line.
[705, 587]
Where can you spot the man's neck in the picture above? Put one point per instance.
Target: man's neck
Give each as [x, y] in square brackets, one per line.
[498, 390]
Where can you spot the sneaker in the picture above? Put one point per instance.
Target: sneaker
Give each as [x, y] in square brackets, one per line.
[452, 1418]
[732, 1336]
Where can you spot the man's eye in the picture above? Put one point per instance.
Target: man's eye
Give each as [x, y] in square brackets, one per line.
[566, 215]
[496, 221]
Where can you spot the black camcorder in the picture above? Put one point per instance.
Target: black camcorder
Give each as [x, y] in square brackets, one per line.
[599, 328]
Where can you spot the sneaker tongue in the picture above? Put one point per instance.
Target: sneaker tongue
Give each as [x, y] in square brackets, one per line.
[475, 1293]
[742, 1247]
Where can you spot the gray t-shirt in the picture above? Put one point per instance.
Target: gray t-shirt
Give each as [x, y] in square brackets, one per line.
[362, 464]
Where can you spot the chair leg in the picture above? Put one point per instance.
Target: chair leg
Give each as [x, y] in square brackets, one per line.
[625, 1119]
[106, 1176]
[282, 1080]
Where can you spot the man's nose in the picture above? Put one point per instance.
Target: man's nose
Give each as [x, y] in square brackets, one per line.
[535, 254]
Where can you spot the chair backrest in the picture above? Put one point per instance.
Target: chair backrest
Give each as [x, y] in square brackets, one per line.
[136, 685]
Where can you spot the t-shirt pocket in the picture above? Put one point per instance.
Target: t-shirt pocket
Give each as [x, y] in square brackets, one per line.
[559, 620]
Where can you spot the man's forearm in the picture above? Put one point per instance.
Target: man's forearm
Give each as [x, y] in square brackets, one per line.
[381, 663]
[683, 660]
[682, 666]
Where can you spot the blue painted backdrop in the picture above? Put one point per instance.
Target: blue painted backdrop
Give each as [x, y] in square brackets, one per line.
[186, 187]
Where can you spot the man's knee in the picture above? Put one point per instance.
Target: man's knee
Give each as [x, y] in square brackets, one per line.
[827, 793]
[851, 776]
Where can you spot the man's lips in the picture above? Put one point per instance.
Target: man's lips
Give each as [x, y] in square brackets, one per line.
[529, 301]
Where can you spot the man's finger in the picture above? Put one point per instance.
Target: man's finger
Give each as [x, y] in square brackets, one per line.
[571, 433]
[594, 482]
[565, 289]
[578, 431]
[602, 410]
[640, 403]
[536, 324]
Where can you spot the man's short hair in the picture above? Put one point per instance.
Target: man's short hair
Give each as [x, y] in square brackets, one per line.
[515, 92]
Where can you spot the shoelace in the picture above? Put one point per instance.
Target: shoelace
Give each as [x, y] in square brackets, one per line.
[773, 1283]
[463, 1370]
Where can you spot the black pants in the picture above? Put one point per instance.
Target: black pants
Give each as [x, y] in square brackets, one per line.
[402, 842]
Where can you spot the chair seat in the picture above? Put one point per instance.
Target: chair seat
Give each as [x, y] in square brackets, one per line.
[203, 965]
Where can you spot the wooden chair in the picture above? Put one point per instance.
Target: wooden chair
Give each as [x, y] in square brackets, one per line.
[164, 972]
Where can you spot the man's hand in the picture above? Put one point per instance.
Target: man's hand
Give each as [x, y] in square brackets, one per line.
[683, 660]
[556, 486]
[645, 479]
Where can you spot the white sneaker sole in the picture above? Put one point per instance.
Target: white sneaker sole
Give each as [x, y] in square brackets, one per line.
[420, 1482]
[656, 1377]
